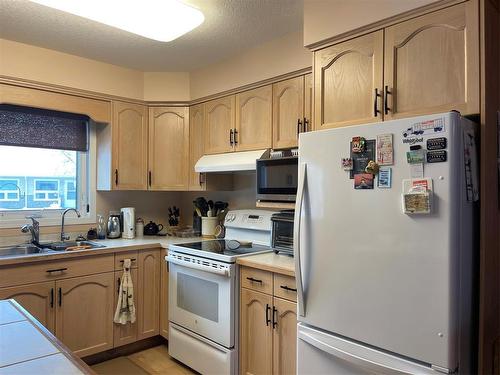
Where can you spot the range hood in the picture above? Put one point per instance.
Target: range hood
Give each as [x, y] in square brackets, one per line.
[230, 162]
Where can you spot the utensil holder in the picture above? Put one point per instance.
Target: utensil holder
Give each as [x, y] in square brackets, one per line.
[208, 225]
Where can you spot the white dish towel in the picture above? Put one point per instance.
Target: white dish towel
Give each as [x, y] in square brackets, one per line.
[125, 310]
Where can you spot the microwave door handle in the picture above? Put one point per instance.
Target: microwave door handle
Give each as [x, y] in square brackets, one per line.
[296, 236]
[195, 266]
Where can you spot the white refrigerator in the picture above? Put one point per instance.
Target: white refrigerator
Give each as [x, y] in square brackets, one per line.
[385, 273]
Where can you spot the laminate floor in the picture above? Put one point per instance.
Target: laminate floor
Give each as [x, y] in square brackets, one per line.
[154, 361]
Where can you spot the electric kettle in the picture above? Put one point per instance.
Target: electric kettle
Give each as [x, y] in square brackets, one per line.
[128, 217]
[114, 230]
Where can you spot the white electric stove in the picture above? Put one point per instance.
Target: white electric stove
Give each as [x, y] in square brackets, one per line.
[203, 292]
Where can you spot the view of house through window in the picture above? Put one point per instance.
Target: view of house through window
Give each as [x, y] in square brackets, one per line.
[36, 178]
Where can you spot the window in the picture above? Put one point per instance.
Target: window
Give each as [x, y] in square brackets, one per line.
[9, 190]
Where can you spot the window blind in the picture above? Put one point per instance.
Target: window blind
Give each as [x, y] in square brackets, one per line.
[34, 127]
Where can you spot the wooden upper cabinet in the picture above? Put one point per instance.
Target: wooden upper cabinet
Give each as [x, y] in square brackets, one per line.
[308, 102]
[254, 119]
[346, 77]
[168, 148]
[256, 334]
[84, 313]
[288, 112]
[129, 146]
[148, 306]
[432, 63]
[219, 121]
[38, 299]
[196, 144]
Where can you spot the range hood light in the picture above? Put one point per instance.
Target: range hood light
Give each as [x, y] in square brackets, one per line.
[161, 20]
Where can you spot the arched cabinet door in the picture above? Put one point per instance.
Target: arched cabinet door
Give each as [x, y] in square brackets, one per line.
[84, 313]
[256, 333]
[432, 63]
[38, 299]
[254, 119]
[168, 148]
[219, 124]
[348, 82]
[285, 337]
[196, 145]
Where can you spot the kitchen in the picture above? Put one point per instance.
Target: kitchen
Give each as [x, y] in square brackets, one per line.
[256, 105]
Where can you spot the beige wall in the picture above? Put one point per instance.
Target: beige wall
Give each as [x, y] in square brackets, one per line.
[49, 66]
[324, 19]
[166, 86]
[279, 56]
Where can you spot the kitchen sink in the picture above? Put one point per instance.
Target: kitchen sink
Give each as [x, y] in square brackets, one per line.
[20, 250]
[62, 246]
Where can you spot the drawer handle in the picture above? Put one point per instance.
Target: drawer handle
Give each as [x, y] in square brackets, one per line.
[254, 280]
[132, 260]
[57, 270]
[288, 288]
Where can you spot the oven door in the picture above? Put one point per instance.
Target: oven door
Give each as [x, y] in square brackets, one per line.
[202, 296]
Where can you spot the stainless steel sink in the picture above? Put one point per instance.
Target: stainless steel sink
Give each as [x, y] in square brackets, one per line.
[20, 250]
[62, 246]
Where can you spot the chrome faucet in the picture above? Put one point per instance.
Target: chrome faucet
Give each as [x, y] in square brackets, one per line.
[64, 236]
[34, 229]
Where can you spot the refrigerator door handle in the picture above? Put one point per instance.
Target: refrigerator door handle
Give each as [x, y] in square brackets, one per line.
[357, 360]
[296, 235]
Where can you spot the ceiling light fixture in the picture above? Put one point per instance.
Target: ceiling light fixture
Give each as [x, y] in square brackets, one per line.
[161, 20]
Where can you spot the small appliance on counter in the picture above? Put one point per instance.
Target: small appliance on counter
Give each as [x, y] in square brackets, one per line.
[128, 217]
[114, 225]
[139, 227]
[152, 229]
[282, 232]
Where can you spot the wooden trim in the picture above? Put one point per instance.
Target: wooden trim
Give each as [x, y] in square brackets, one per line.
[382, 24]
[275, 205]
[254, 85]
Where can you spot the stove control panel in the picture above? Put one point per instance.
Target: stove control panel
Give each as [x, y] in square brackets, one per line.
[249, 219]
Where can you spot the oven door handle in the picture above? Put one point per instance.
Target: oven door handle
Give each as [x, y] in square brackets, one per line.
[198, 267]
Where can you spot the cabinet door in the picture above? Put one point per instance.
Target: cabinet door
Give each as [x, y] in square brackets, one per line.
[84, 313]
[288, 112]
[254, 119]
[168, 148]
[432, 62]
[125, 333]
[308, 102]
[129, 143]
[148, 294]
[164, 295]
[196, 145]
[219, 121]
[284, 336]
[256, 333]
[347, 76]
[38, 299]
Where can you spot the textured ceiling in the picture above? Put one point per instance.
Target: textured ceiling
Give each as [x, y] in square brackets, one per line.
[230, 27]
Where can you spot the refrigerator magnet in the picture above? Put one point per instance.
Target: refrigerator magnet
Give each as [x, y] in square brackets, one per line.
[358, 144]
[385, 150]
[415, 156]
[363, 181]
[347, 164]
[384, 178]
[372, 167]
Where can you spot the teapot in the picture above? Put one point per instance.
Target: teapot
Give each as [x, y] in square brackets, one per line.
[152, 229]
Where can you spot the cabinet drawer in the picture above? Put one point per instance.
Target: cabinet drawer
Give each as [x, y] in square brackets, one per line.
[255, 279]
[285, 287]
[54, 270]
[120, 257]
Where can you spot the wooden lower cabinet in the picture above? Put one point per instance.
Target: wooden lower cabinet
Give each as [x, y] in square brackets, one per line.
[125, 333]
[163, 295]
[268, 331]
[256, 332]
[84, 313]
[37, 298]
[148, 293]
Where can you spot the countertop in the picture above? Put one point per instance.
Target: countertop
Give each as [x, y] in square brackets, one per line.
[272, 262]
[112, 246]
[26, 347]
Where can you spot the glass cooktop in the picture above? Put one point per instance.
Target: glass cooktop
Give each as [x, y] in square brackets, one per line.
[220, 249]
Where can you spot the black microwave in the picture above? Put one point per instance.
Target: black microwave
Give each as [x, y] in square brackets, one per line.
[277, 178]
